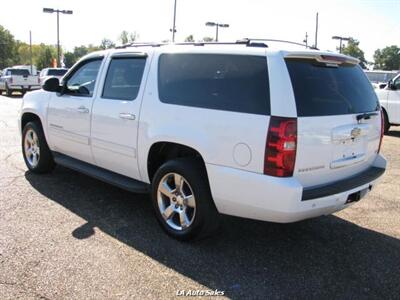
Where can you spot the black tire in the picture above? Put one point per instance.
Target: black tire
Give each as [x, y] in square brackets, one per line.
[386, 124]
[206, 218]
[45, 162]
[8, 91]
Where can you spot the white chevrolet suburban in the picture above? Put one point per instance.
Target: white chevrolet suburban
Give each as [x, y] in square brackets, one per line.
[389, 98]
[236, 129]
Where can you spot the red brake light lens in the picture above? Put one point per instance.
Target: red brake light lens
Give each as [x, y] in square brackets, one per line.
[280, 149]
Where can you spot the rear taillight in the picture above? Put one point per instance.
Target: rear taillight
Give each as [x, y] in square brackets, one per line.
[382, 129]
[280, 149]
[38, 80]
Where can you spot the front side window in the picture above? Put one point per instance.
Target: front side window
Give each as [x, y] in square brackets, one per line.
[123, 78]
[236, 83]
[82, 82]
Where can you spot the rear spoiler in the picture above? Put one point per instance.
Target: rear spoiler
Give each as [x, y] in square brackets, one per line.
[324, 58]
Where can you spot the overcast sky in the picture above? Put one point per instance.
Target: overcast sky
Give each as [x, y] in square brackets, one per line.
[375, 23]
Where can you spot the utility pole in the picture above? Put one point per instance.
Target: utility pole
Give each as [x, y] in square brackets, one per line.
[58, 40]
[173, 25]
[30, 50]
[67, 12]
[316, 32]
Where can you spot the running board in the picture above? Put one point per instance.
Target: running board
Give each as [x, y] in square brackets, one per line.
[107, 176]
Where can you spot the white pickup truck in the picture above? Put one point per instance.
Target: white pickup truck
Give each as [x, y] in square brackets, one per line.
[389, 98]
[14, 79]
[237, 129]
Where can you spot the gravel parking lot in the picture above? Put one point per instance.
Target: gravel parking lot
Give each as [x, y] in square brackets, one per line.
[65, 235]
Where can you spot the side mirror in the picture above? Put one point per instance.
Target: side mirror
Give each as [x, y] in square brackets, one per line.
[52, 84]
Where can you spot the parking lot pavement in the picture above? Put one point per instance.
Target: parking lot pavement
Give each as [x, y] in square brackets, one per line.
[65, 235]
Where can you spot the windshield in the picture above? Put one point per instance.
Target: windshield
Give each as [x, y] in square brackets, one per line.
[322, 90]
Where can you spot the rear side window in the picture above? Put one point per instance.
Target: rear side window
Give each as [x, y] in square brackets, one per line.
[123, 78]
[216, 81]
[321, 90]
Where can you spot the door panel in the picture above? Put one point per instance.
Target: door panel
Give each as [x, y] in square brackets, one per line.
[69, 126]
[69, 113]
[116, 114]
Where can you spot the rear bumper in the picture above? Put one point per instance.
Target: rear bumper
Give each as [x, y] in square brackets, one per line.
[282, 200]
[341, 186]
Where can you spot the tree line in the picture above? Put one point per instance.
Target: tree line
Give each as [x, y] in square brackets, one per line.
[15, 52]
[387, 58]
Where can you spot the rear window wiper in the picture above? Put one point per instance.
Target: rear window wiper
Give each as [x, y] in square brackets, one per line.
[366, 116]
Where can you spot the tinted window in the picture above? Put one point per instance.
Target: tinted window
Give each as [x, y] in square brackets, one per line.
[56, 72]
[123, 78]
[396, 82]
[216, 81]
[320, 90]
[19, 72]
[83, 80]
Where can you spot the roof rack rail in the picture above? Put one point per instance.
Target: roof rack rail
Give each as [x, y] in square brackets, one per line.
[143, 44]
[238, 42]
[154, 44]
[249, 40]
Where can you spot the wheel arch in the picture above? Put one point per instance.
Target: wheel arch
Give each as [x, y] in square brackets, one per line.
[162, 151]
[386, 114]
[27, 117]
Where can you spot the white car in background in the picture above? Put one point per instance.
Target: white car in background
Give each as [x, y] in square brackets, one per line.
[51, 72]
[389, 97]
[380, 78]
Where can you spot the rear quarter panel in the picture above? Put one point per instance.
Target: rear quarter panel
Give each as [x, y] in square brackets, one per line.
[223, 138]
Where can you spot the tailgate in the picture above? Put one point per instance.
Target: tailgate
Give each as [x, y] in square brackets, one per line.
[25, 81]
[333, 148]
[339, 121]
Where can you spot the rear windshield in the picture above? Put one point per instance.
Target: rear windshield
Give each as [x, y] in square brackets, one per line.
[22, 72]
[215, 81]
[55, 72]
[321, 90]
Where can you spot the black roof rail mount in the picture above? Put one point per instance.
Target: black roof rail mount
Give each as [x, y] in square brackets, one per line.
[249, 41]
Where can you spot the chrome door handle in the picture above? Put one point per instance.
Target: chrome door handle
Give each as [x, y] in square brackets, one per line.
[127, 116]
[83, 109]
